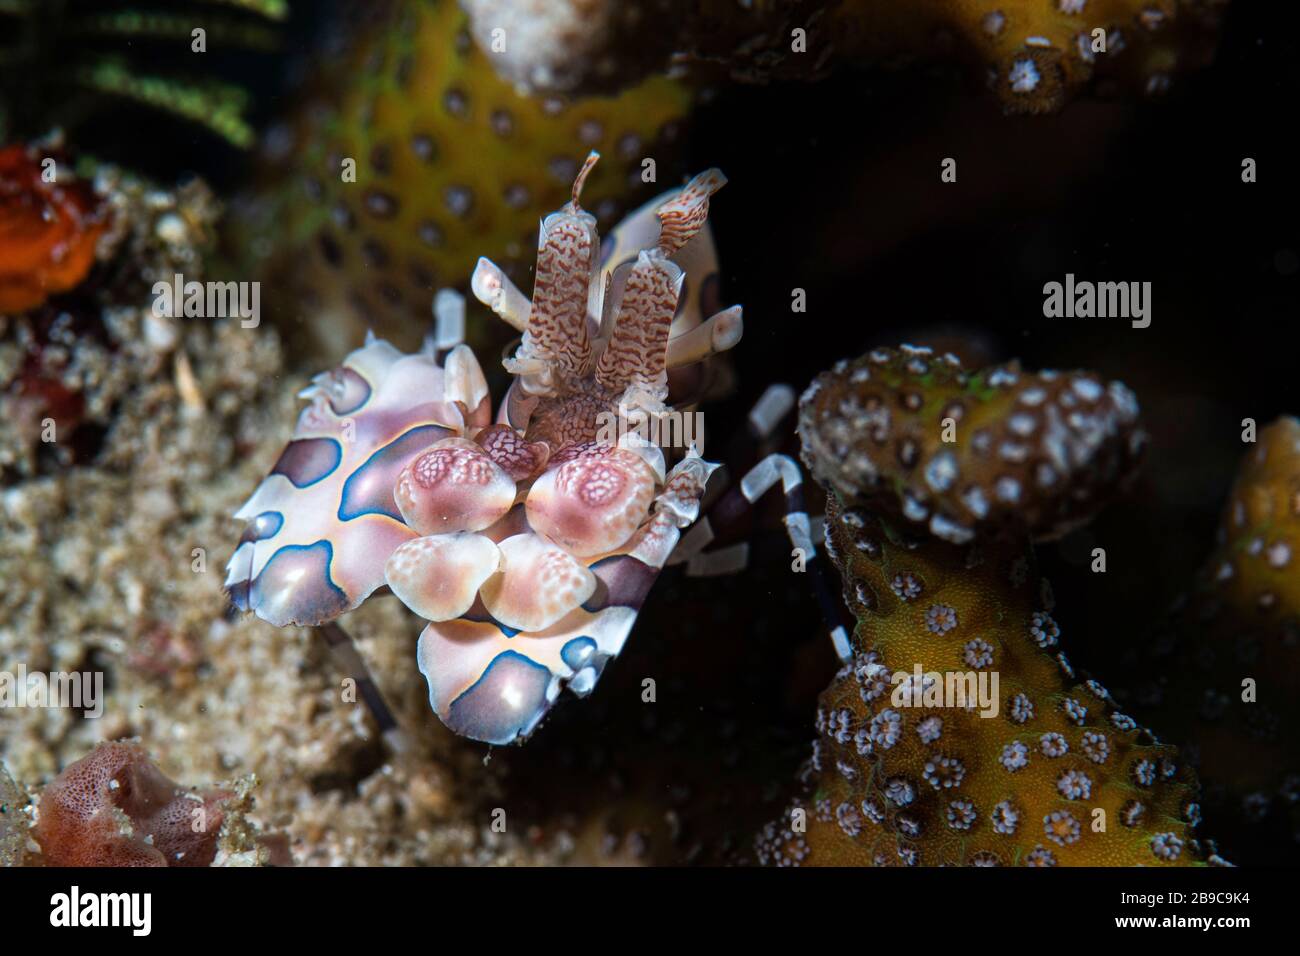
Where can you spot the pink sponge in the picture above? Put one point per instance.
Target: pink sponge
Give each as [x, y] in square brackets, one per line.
[113, 807]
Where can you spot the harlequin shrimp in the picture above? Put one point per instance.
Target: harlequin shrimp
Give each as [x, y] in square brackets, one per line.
[527, 540]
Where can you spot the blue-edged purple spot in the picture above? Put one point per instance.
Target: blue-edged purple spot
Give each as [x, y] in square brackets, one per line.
[369, 489]
[295, 587]
[307, 460]
[347, 390]
[266, 525]
[577, 653]
[505, 703]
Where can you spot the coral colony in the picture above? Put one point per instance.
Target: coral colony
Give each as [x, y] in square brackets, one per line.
[934, 549]
[452, 163]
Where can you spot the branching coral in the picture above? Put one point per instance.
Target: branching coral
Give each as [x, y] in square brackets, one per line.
[450, 163]
[1224, 678]
[115, 808]
[959, 733]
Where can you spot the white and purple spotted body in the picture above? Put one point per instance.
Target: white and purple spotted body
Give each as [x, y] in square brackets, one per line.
[528, 543]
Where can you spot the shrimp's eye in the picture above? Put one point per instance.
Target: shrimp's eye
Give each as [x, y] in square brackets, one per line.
[453, 486]
[593, 501]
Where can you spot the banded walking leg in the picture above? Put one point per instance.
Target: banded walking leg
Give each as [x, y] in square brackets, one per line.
[349, 659]
[728, 512]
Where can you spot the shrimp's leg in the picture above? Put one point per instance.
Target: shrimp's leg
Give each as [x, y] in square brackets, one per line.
[727, 515]
[349, 659]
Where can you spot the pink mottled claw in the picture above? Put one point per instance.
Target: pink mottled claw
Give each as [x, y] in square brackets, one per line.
[645, 294]
[680, 499]
[538, 584]
[592, 499]
[453, 486]
[521, 459]
[438, 576]
[682, 216]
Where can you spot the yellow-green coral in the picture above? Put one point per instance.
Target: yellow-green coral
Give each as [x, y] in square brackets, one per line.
[959, 733]
[451, 163]
[1037, 53]
[1227, 673]
[1057, 776]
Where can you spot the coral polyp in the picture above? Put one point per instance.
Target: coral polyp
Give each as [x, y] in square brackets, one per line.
[529, 544]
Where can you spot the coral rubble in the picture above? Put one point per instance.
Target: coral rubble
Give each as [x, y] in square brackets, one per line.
[13, 821]
[73, 338]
